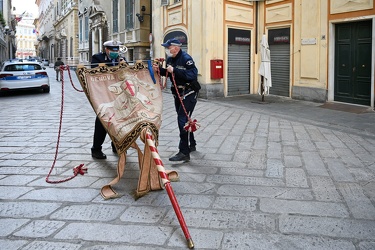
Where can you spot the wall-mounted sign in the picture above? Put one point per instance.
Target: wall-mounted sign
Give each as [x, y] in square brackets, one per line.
[237, 36]
[308, 41]
[279, 36]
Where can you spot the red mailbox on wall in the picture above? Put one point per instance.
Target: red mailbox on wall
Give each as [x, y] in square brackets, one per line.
[217, 69]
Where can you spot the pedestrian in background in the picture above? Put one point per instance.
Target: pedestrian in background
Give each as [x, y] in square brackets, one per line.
[182, 66]
[58, 63]
[110, 57]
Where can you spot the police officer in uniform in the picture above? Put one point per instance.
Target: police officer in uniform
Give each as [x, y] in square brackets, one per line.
[181, 65]
[111, 58]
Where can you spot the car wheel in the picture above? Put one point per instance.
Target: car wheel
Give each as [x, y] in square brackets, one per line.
[46, 90]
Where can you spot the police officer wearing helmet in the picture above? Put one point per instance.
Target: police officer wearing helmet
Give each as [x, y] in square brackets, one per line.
[110, 57]
[182, 66]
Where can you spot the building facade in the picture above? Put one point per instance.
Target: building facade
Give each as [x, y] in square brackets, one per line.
[321, 50]
[307, 39]
[25, 37]
[44, 27]
[126, 21]
[57, 29]
[8, 25]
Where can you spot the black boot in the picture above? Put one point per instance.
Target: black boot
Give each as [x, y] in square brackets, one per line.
[98, 154]
[180, 157]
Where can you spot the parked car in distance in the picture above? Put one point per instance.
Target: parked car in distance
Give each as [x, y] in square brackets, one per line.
[20, 75]
[45, 62]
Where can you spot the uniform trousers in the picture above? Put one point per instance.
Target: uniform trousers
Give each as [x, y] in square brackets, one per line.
[99, 135]
[186, 138]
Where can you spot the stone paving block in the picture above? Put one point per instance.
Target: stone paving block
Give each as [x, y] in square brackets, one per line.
[295, 194]
[244, 180]
[287, 135]
[339, 171]
[203, 239]
[12, 244]
[274, 150]
[325, 153]
[13, 192]
[143, 214]
[12, 225]
[241, 155]
[238, 129]
[215, 141]
[48, 245]
[124, 246]
[218, 157]
[275, 168]
[334, 140]
[16, 156]
[235, 203]
[91, 212]
[295, 177]
[269, 192]
[257, 159]
[197, 164]
[14, 170]
[241, 171]
[77, 182]
[99, 232]
[292, 161]
[15, 180]
[331, 227]
[185, 200]
[323, 145]
[60, 195]
[300, 132]
[366, 245]
[348, 157]
[368, 144]
[314, 164]
[191, 177]
[39, 228]
[230, 145]
[260, 143]
[27, 209]
[274, 135]
[290, 150]
[306, 145]
[315, 134]
[193, 188]
[324, 189]
[359, 205]
[278, 206]
[214, 219]
[362, 175]
[267, 241]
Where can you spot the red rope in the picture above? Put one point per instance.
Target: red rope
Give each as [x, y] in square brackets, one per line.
[191, 125]
[80, 168]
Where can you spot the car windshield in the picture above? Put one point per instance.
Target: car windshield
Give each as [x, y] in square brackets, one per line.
[22, 67]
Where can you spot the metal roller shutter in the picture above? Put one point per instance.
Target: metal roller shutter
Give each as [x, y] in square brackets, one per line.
[238, 69]
[280, 69]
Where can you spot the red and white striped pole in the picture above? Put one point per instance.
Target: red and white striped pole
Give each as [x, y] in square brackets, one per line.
[168, 187]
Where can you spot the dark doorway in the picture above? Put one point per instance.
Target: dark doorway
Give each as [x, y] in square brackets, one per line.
[353, 62]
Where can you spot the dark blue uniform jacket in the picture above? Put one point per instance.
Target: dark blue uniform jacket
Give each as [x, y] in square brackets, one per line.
[184, 69]
[103, 58]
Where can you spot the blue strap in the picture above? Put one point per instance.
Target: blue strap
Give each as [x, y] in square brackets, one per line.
[151, 71]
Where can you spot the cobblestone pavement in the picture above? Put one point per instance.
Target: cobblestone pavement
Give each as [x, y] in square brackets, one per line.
[283, 174]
